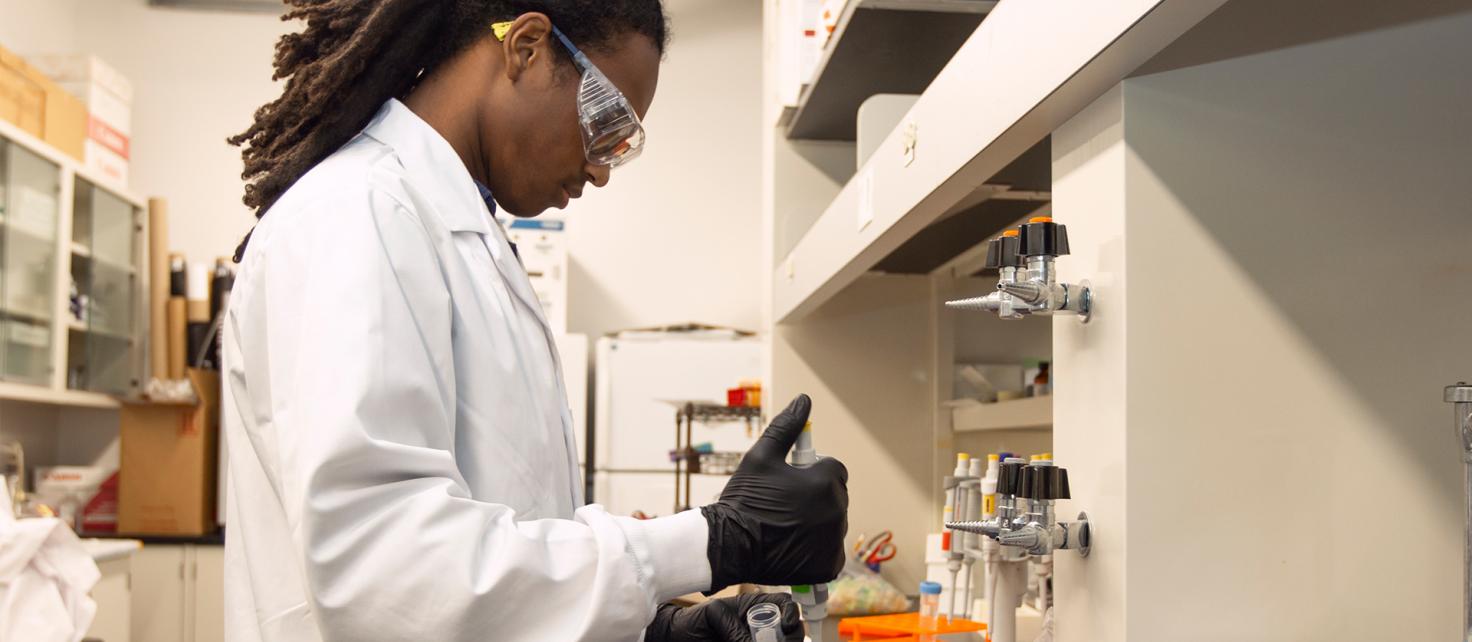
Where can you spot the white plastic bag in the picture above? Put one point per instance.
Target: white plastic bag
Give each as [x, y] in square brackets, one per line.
[860, 591]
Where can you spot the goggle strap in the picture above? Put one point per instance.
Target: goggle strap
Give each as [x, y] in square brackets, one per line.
[578, 57]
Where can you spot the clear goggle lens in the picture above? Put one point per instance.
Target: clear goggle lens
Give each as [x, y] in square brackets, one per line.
[612, 133]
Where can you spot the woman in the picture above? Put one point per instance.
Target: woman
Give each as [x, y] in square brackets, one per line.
[401, 451]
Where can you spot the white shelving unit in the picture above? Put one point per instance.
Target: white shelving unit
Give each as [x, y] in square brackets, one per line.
[861, 259]
[1026, 413]
[56, 256]
[1026, 69]
[873, 51]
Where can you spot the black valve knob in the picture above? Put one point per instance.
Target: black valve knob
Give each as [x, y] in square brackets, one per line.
[1042, 237]
[1011, 250]
[1009, 478]
[994, 254]
[1041, 478]
[1045, 482]
[1003, 251]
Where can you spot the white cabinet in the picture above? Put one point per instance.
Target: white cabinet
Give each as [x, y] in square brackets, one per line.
[65, 231]
[114, 601]
[158, 594]
[209, 593]
[178, 593]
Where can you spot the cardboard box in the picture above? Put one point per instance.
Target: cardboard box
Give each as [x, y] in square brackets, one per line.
[22, 99]
[107, 97]
[41, 107]
[170, 462]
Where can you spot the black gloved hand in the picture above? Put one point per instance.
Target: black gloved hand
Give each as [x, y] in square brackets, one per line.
[775, 524]
[722, 620]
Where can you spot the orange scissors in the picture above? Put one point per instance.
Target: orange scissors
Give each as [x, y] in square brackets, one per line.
[879, 549]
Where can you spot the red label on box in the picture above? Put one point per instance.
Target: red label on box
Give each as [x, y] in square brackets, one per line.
[106, 136]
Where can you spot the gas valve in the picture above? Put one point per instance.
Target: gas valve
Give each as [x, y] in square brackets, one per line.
[1027, 283]
[1025, 519]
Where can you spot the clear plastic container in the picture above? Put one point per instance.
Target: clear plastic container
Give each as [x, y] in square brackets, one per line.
[929, 605]
[765, 621]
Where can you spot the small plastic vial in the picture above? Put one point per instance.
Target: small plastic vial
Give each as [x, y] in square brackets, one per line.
[929, 605]
[765, 621]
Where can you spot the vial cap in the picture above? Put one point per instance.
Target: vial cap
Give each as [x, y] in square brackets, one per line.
[930, 588]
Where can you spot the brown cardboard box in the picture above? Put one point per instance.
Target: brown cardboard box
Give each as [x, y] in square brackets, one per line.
[66, 122]
[167, 479]
[108, 97]
[41, 107]
[22, 98]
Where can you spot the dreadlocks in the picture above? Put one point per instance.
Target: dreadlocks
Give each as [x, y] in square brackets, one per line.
[355, 54]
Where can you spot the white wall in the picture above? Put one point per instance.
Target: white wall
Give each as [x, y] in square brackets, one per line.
[675, 235]
[28, 26]
[1279, 246]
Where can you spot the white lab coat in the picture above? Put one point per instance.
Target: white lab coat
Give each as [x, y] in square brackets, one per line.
[401, 450]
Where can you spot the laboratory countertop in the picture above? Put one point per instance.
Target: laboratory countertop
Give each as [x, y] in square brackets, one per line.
[216, 538]
[103, 550]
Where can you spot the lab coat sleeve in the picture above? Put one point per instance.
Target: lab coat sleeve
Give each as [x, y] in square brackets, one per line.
[394, 547]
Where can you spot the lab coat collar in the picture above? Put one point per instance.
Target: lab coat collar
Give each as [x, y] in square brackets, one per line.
[433, 164]
[434, 167]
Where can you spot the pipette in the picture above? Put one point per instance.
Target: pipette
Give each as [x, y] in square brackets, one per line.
[955, 506]
[812, 599]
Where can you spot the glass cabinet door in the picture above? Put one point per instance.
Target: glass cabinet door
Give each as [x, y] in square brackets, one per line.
[102, 349]
[32, 188]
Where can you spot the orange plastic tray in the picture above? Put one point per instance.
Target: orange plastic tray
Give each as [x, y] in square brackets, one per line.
[900, 627]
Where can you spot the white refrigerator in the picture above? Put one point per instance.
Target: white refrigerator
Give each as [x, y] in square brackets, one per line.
[639, 376]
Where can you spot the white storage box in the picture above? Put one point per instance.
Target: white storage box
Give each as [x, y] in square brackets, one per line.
[541, 244]
[108, 97]
[70, 488]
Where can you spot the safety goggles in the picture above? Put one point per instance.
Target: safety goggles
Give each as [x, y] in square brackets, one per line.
[612, 133]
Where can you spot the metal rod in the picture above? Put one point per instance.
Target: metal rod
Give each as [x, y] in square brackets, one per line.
[1460, 396]
[679, 416]
[689, 452]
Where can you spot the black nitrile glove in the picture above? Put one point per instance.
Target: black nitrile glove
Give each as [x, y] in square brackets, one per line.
[775, 524]
[722, 620]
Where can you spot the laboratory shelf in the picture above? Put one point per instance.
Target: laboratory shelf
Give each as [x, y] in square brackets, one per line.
[87, 255]
[1027, 413]
[880, 47]
[55, 397]
[1010, 196]
[78, 326]
[1026, 70]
